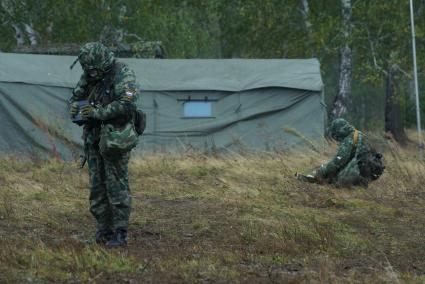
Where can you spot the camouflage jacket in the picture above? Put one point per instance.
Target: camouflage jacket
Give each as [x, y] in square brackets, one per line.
[108, 96]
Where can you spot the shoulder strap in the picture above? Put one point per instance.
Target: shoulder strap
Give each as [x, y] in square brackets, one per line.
[356, 138]
[107, 85]
[355, 143]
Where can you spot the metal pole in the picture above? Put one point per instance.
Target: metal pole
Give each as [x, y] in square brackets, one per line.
[415, 73]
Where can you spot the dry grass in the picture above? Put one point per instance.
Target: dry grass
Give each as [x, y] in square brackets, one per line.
[217, 219]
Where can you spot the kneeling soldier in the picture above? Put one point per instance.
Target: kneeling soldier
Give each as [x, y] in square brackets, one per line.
[356, 162]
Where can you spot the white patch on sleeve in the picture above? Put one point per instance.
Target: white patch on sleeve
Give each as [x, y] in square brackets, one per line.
[338, 157]
[129, 94]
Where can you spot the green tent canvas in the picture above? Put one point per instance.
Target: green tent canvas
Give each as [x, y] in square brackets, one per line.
[223, 105]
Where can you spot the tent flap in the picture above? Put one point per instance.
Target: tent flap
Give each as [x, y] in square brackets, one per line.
[172, 74]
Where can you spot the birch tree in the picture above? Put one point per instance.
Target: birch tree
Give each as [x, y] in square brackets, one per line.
[20, 16]
[345, 66]
[305, 11]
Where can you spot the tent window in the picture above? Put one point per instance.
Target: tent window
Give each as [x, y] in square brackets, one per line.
[197, 109]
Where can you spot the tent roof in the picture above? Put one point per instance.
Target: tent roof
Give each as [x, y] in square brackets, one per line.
[172, 74]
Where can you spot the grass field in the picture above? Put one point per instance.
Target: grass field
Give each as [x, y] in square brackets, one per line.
[217, 219]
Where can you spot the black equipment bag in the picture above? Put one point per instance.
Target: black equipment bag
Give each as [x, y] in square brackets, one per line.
[140, 121]
[370, 162]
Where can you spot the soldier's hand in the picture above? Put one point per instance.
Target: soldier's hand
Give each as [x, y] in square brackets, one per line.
[87, 111]
[73, 109]
[126, 99]
[129, 96]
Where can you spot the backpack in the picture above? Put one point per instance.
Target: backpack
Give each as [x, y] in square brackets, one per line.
[370, 162]
[140, 121]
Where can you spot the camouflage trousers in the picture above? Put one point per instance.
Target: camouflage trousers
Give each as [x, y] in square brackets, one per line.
[350, 176]
[110, 199]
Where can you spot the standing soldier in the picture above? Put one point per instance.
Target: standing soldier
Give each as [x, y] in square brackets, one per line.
[109, 89]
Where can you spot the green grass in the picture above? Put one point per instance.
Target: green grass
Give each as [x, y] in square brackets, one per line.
[217, 219]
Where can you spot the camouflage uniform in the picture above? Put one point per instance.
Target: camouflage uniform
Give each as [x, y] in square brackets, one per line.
[343, 169]
[111, 87]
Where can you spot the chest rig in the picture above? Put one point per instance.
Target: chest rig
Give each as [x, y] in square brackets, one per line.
[102, 92]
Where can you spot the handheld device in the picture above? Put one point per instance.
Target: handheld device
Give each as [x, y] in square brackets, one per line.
[78, 119]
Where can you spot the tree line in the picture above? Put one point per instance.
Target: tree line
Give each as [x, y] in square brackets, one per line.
[364, 46]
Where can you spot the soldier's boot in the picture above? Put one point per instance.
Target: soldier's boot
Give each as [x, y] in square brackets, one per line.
[119, 239]
[103, 236]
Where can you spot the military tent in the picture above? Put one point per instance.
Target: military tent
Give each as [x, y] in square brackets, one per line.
[211, 105]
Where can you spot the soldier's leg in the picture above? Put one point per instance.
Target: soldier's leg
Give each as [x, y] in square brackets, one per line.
[350, 175]
[99, 202]
[118, 190]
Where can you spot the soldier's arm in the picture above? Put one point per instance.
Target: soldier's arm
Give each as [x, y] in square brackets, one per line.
[340, 160]
[79, 93]
[126, 95]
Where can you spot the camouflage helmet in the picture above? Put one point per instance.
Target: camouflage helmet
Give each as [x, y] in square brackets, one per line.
[96, 56]
[340, 128]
